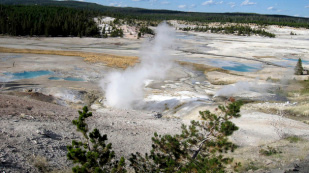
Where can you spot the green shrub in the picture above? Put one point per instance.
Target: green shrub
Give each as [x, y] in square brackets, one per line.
[269, 151]
[293, 139]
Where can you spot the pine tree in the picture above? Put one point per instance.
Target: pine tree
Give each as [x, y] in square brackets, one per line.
[93, 155]
[198, 148]
[298, 68]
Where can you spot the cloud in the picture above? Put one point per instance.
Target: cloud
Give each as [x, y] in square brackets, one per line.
[212, 2]
[307, 6]
[273, 9]
[247, 2]
[221, 2]
[231, 4]
[270, 8]
[182, 6]
[165, 2]
[150, 1]
[192, 6]
[117, 4]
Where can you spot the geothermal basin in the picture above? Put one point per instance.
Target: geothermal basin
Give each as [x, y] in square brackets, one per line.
[177, 76]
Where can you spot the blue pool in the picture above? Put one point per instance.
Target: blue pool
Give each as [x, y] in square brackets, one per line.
[235, 66]
[241, 68]
[67, 79]
[295, 60]
[27, 74]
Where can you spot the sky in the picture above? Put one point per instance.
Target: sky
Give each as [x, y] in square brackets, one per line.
[298, 8]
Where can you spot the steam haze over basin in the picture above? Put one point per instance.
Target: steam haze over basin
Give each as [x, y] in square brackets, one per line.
[124, 89]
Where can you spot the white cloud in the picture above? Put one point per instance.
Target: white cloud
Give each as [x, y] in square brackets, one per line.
[296, 15]
[270, 8]
[212, 2]
[209, 2]
[273, 9]
[231, 4]
[165, 2]
[182, 6]
[192, 6]
[221, 2]
[307, 6]
[247, 2]
[117, 4]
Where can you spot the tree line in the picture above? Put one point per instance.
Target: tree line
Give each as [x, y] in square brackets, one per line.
[47, 21]
[129, 13]
[237, 29]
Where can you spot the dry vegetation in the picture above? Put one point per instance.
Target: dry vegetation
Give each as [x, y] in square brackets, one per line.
[203, 67]
[262, 57]
[109, 60]
[289, 150]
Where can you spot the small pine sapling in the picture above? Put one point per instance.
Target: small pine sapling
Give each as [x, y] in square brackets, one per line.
[299, 68]
[92, 155]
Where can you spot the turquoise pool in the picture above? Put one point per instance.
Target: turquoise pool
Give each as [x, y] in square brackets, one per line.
[27, 74]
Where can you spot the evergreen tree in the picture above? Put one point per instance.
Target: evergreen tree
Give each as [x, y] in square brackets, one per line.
[93, 155]
[298, 68]
[198, 148]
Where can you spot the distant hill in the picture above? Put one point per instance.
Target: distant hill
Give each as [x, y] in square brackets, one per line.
[151, 15]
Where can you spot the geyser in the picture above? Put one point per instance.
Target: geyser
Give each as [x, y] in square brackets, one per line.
[125, 89]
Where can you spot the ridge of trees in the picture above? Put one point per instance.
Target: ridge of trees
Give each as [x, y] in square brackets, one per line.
[48, 21]
[239, 30]
[159, 15]
[199, 148]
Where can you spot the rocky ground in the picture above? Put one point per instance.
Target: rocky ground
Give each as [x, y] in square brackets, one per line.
[34, 134]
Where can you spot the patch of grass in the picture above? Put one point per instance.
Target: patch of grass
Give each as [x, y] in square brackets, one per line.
[109, 60]
[40, 163]
[203, 67]
[250, 166]
[269, 151]
[166, 108]
[299, 110]
[294, 139]
[179, 105]
[269, 79]
[305, 87]
[260, 57]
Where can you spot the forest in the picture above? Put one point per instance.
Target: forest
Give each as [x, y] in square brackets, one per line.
[47, 21]
[75, 18]
[159, 15]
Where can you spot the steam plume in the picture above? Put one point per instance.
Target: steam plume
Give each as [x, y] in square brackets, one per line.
[125, 89]
[241, 86]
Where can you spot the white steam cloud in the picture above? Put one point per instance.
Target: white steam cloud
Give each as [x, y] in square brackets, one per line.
[242, 86]
[125, 89]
